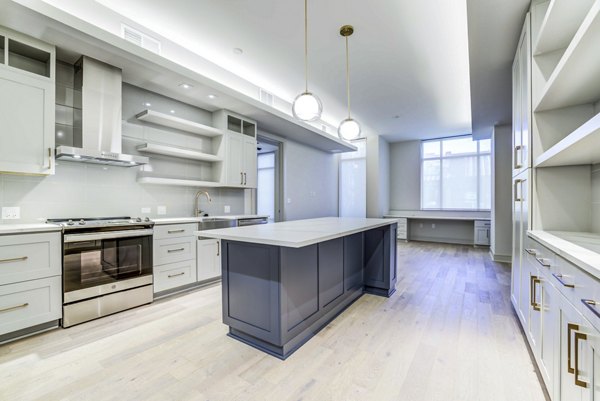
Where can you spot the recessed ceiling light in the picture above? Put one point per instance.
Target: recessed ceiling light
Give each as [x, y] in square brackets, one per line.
[172, 111]
[211, 96]
[185, 86]
[237, 50]
[147, 104]
[76, 157]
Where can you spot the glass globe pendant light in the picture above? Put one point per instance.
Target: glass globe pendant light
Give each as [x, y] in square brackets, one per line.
[307, 106]
[349, 128]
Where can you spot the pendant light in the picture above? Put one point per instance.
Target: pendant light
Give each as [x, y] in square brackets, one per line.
[349, 128]
[307, 106]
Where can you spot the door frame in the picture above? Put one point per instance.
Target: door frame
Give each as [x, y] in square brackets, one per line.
[279, 154]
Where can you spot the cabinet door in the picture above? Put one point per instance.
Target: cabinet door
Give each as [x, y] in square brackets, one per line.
[593, 354]
[550, 299]
[571, 355]
[250, 163]
[516, 109]
[482, 236]
[519, 276]
[27, 121]
[234, 160]
[521, 100]
[209, 259]
[534, 330]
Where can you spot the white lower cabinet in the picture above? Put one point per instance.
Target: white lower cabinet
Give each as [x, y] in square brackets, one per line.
[174, 254]
[209, 259]
[174, 275]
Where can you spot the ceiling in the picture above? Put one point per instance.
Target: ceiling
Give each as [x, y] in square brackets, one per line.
[411, 75]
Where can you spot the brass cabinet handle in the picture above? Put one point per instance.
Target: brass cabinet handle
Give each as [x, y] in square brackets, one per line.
[542, 261]
[533, 280]
[175, 231]
[22, 258]
[175, 275]
[517, 160]
[218, 248]
[570, 327]
[26, 304]
[175, 250]
[591, 306]
[531, 251]
[559, 277]
[583, 337]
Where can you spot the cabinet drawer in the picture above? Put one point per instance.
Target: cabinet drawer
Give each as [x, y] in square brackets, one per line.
[482, 224]
[175, 230]
[30, 303]
[540, 256]
[174, 275]
[29, 256]
[174, 250]
[574, 283]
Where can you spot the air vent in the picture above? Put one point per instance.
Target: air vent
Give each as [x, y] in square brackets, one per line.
[140, 39]
[266, 97]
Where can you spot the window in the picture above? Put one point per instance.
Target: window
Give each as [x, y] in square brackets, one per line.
[353, 181]
[265, 194]
[456, 174]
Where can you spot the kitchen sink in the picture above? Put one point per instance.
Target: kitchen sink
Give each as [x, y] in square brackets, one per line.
[211, 223]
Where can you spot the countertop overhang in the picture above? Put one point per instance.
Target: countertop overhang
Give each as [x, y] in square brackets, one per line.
[297, 233]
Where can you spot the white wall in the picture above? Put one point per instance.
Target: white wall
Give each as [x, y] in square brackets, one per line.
[405, 175]
[378, 173]
[501, 235]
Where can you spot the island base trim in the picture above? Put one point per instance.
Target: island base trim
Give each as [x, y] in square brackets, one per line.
[382, 292]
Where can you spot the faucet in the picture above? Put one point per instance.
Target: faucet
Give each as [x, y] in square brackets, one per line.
[197, 210]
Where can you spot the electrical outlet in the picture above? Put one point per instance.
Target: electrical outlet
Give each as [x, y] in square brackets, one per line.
[161, 210]
[11, 213]
[289, 200]
[146, 210]
[433, 225]
[226, 209]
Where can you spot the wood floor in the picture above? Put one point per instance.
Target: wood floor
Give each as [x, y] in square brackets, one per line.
[448, 334]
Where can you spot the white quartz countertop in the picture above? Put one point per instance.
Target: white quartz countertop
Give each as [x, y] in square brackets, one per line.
[297, 233]
[438, 214]
[182, 220]
[581, 249]
[28, 228]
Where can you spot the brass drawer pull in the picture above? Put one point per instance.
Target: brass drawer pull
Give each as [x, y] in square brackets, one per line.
[26, 304]
[531, 251]
[591, 306]
[559, 277]
[578, 337]
[175, 250]
[175, 275]
[543, 262]
[175, 231]
[570, 327]
[22, 258]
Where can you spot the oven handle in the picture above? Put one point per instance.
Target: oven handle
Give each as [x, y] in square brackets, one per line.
[107, 235]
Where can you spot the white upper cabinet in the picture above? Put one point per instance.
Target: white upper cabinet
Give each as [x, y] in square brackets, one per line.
[27, 92]
[521, 101]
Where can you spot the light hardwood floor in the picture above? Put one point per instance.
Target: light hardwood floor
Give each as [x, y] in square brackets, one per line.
[448, 334]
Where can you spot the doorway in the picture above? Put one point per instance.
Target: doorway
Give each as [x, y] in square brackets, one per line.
[268, 189]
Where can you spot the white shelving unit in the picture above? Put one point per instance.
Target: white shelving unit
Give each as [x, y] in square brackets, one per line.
[178, 182]
[167, 120]
[575, 80]
[579, 147]
[178, 152]
[561, 21]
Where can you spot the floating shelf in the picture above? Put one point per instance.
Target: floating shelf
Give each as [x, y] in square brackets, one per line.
[575, 78]
[183, 182]
[579, 147]
[167, 120]
[560, 24]
[178, 152]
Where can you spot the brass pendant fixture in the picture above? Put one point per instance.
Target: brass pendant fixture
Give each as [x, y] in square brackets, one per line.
[307, 106]
[349, 128]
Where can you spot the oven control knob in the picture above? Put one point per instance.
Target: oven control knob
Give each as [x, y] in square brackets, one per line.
[82, 222]
[70, 222]
[147, 219]
[138, 219]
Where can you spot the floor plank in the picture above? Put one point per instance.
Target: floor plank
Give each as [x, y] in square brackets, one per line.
[448, 333]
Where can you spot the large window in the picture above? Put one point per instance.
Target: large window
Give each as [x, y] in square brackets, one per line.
[456, 174]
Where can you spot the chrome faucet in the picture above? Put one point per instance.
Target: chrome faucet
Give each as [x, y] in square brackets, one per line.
[197, 210]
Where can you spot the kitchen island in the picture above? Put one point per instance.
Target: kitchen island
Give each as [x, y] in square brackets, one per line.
[283, 282]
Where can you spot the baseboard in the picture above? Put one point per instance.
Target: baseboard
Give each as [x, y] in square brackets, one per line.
[441, 240]
[500, 258]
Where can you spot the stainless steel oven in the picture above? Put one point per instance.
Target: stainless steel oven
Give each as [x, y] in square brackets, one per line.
[107, 267]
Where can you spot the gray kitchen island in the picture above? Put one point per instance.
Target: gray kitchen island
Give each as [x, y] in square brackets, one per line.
[283, 282]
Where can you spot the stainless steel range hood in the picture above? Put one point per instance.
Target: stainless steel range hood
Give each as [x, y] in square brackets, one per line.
[100, 86]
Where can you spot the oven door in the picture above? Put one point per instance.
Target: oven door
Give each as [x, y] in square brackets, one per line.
[96, 259]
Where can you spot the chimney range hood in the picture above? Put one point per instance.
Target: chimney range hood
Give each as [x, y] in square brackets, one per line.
[100, 128]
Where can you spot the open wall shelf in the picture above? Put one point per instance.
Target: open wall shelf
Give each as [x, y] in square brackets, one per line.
[170, 121]
[178, 152]
[179, 182]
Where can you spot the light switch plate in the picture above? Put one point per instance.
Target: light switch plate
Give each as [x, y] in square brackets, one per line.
[11, 213]
[227, 209]
[161, 210]
[146, 210]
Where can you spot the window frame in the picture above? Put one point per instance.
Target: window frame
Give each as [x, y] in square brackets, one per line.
[441, 159]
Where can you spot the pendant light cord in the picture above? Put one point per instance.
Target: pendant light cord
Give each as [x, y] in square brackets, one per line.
[306, 44]
[347, 77]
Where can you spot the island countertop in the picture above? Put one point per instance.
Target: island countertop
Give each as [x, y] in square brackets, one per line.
[296, 233]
